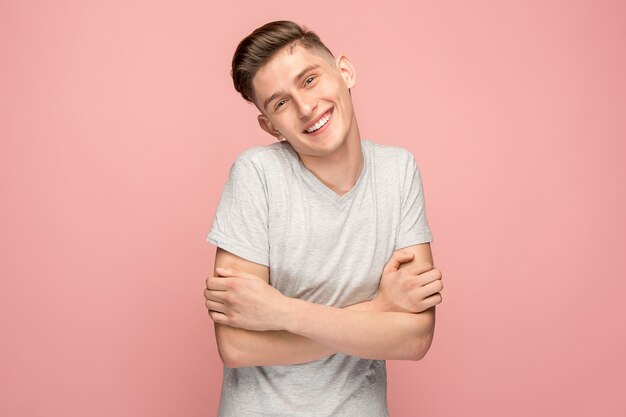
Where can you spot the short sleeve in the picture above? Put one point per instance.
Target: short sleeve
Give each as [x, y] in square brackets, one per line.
[413, 228]
[240, 225]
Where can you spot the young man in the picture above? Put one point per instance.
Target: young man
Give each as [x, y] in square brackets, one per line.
[323, 267]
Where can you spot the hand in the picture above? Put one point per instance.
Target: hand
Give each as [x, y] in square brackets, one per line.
[239, 299]
[412, 289]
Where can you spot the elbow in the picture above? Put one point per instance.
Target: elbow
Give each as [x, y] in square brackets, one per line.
[423, 346]
[231, 361]
[229, 358]
[230, 355]
[425, 335]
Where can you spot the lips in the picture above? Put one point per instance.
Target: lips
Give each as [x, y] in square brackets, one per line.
[325, 114]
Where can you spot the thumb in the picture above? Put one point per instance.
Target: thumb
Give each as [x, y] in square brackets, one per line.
[396, 259]
[233, 272]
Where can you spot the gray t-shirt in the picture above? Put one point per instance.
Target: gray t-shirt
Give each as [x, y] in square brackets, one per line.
[324, 249]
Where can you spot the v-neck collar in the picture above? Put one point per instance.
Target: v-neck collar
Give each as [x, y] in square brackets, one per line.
[315, 182]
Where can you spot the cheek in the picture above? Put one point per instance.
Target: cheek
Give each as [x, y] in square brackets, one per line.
[332, 90]
[288, 122]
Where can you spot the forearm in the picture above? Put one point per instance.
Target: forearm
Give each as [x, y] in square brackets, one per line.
[372, 334]
[241, 347]
[302, 332]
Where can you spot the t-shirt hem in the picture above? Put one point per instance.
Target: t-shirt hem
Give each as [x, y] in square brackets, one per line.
[426, 238]
[242, 251]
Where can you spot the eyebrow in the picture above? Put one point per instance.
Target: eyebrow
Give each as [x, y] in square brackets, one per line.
[297, 77]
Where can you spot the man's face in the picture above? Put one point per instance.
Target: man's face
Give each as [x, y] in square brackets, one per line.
[296, 91]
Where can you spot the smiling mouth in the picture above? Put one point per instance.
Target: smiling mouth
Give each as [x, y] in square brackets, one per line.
[321, 123]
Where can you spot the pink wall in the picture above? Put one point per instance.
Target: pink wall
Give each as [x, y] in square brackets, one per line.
[118, 124]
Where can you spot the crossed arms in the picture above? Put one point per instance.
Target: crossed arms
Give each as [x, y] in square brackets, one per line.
[255, 325]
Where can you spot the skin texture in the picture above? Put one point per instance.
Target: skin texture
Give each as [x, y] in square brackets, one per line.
[255, 325]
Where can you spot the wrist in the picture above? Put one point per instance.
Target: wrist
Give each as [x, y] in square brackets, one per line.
[380, 304]
[376, 303]
[290, 313]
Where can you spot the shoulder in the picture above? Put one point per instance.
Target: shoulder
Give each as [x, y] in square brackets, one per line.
[267, 163]
[395, 154]
[266, 154]
[390, 158]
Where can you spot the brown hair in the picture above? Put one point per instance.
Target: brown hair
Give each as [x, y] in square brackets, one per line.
[260, 46]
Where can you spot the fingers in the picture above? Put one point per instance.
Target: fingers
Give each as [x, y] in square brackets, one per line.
[425, 288]
[421, 268]
[429, 302]
[218, 296]
[217, 283]
[425, 273]
[217, 310]
[218, 317]
[431, 288]
[428, 296]
[215, 306]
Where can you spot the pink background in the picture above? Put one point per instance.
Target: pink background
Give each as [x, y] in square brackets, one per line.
[118, 124]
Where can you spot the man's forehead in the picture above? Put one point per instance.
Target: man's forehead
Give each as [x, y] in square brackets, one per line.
[284, 67]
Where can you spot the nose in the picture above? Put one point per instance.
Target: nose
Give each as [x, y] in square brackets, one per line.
[305, 105]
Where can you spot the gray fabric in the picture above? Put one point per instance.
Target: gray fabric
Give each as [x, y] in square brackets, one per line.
[324, 249]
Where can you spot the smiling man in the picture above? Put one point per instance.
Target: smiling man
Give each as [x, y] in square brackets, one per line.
[323, 268]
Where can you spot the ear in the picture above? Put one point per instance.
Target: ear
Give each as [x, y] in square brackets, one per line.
[267, 125]
[346, 69]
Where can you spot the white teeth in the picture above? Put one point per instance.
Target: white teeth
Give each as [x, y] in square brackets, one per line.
[319, 124]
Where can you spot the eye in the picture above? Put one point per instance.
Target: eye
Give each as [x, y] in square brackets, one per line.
[309, 80]
[280, 103]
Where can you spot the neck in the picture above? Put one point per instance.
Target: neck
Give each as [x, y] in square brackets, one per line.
[340, 170]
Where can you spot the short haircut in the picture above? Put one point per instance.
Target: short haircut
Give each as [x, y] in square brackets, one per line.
[256, 49]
